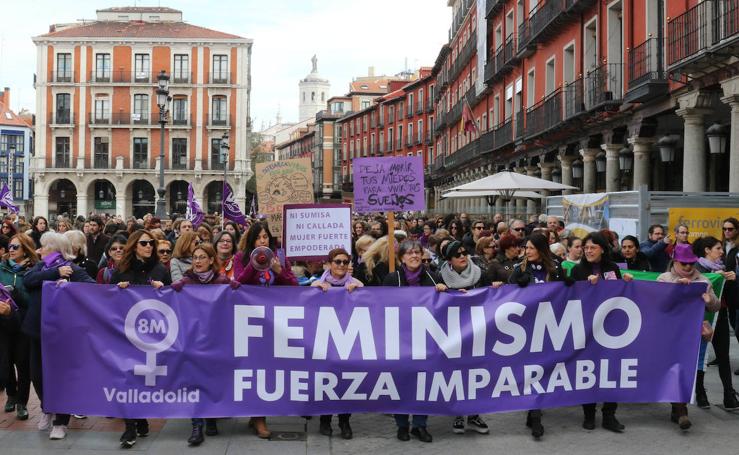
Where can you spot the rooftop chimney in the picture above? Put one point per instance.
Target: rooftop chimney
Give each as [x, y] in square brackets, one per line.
[5, 97]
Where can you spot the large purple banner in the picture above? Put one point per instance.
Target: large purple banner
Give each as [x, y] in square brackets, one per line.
[212, 351]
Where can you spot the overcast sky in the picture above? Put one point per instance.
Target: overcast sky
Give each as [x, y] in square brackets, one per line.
[348, 36]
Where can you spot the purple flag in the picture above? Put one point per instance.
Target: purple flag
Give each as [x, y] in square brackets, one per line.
[6, 199]
[231, 210]
[194, 212]
[212, 351]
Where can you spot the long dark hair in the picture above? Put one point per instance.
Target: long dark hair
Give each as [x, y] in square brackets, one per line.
[129, 252]
[250, 239]
[700, 245]
[35, 222]
[541, 243]
[731, 220]
[605, 260]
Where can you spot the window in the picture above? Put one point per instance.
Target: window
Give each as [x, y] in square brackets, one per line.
[549, 77]
[102, 68]
[400, 136]
[420, 101]
[323, 96]
[410, 134]
[140, 153]
[220, 69]
[364, 147]
[63, 68]
[382, 141]
[181, 73]
[101, 153]
[530, 89]
[140, 109]
[179, 110]
[216, 160]
[17, 189]
[410, 103]
[390, 143]
[364, 104]
[63, 106]
[219, 112]
[142, 67]
[420, 131]
[102, 110]
[61, 152]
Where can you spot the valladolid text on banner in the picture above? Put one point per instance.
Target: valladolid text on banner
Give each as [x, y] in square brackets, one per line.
[211, 351]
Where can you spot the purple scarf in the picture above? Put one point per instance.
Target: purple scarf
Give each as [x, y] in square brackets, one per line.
[203, 277]
[333, 281]
[413, 278]
[54, 260]
[717, 266]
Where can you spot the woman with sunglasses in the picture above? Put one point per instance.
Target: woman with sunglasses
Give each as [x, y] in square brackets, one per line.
[456, 230]
[710, 253]
[461, 273]
[114, 254]
[164, 251]
[413, 272]
[681, 269]
[337, 275]
[139, 266]
[21, 257]
[56, 264]
[538, 266]
[8, 229]
[597, 265]
[730, 239]
[182, 255]
[225, 246]
[204, 270]
[280, 274]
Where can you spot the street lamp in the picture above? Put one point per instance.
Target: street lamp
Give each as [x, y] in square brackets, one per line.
[600, 163]
[224, 159]
[101, 195]
[577, 169]
[163, 99]
[557, 176]
[625, 159]
[716, 138]
[666, 145]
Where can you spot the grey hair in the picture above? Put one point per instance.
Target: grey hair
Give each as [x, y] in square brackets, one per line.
[57, 242]
[78, 242]
[409, 245]
[679, 225]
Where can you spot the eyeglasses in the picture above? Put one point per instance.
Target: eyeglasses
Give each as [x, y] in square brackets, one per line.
[341, 261]
[224, 240]
[116, 248]
[165, 252]
[479, 227]
[198, 242]
[13, 247]
[459, 253]
[146, 243]
[200, 258]
[519, 229]
[426, 261]
[729, 229]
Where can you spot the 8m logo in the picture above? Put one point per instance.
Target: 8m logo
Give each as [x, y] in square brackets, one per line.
[159, 319]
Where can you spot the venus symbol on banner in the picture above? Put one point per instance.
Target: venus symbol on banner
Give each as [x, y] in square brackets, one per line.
[151, 370]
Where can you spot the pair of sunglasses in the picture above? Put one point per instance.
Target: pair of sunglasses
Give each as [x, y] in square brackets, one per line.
[342, 261]
[146, 243]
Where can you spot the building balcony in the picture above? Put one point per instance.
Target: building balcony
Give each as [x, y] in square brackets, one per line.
[409, 112]
[380, 123]
[574, 99]
[458, 20]
[703, 37]
[419, 109]
[391, 118]
[121, 77]
[464, 56]
[218, 122]
[503, 134]
[546, 21]
[463, 155]
[647, 78]
[429, 106]
[181, 78]
[455, 113]
[544, 115]
[492, 7]
[429, 141]
[502, 61]
[62, 161]
[220, 78]
[604, 86]
[63, 77]
[520, 129]
[440, 122]
[61, 119]
[101, 162]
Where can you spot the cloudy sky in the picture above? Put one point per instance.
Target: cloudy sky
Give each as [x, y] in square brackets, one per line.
[347, 35]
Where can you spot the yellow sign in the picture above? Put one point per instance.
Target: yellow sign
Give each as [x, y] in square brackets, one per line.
[280, 183]
[701, 222]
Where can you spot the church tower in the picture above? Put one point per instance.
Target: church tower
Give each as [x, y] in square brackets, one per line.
[314, 91]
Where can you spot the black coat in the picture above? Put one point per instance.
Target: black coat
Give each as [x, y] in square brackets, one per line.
[731, 288]
[584, 269]
[639, 262]
[501, 268]
[33, 280]
[96, 246]
[378, 274]
[398, 279]
[524, 277]
[86, 263]
[142, 273]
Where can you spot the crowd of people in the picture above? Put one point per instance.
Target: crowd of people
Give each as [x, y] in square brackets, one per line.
[453, 252]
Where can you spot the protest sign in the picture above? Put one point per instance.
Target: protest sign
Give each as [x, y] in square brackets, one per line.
[701, 222]
[311, 231]
[212, 351]
[280, 183]
[388, 184]
[585, 213]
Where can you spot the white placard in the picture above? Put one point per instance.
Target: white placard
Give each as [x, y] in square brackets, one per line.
[311, 231]
[623, 226]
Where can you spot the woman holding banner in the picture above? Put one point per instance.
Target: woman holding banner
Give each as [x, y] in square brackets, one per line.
[21, 257]
[114, 253]
[412, 272]
[225, 246]
[204, 270]
[337, 275]
[461, 273]
[182, 254]
[681, 269]
[537, 266]
[55, 265]
[635, 259]
[278, 273]
[710, 254]
[597, 265]
[139, 266]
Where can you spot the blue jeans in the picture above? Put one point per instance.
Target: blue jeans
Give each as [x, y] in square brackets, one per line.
[419, 420]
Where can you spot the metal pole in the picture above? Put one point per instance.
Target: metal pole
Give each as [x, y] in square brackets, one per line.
[161, 203]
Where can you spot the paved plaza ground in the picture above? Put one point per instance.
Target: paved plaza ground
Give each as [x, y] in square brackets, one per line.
[648, 431]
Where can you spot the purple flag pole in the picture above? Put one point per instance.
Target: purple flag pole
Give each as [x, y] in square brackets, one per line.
[6, 199]
[231, 209]
[194, 212]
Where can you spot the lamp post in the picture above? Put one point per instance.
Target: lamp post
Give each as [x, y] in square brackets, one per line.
[224, 159]
[11, 162]
[163, 104]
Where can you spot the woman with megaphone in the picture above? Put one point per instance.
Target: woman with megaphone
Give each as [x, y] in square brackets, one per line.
[260, 263]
